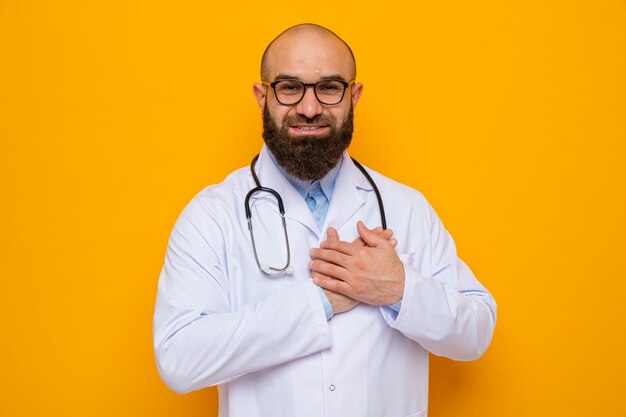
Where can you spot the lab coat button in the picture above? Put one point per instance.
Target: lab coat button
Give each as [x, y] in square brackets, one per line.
[332, 387]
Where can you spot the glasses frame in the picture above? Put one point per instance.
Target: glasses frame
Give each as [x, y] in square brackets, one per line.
[307, 85]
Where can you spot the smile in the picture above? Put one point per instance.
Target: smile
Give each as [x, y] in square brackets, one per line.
[307, 129]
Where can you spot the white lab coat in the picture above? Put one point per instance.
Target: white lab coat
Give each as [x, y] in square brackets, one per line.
[266, 342]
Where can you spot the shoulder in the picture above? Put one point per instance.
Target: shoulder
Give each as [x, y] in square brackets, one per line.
[395, 191]
[402, 201]
[217, 202]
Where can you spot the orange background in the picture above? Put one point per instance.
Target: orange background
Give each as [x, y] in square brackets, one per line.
[509, 116]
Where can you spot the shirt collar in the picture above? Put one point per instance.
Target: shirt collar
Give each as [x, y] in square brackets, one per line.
[303, 186]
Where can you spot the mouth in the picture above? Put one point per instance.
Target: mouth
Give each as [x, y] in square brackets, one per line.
[308, 129]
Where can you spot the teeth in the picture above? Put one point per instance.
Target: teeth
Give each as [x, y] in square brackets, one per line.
[307, 127]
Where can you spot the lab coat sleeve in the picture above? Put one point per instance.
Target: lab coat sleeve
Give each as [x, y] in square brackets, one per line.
[444, 307]
[199, 341]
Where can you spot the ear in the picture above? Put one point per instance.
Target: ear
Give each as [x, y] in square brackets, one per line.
[357, 90]
[260, 93]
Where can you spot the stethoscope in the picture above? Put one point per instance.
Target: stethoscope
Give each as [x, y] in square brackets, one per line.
[270, 271]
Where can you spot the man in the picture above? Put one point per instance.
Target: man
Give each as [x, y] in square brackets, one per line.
[341, 324]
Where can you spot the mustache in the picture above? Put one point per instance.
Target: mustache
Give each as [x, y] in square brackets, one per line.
[319, 119]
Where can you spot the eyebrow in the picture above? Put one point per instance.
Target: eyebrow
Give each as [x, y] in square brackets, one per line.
[333, 77]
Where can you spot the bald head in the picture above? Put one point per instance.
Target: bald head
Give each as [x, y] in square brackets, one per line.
[301, 35]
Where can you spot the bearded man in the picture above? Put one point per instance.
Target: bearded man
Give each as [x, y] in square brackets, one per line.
[279, 285]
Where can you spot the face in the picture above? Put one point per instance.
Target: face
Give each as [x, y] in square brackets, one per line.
[308, 138]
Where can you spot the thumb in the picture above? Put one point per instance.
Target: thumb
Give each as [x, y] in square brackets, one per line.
[332, 235]
[369, 237]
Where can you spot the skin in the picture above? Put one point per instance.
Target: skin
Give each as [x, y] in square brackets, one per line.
[308, 56]
[368, 269]
[341, 301]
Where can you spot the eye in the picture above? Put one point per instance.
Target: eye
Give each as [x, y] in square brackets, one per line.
[289, 87]
[330, 87]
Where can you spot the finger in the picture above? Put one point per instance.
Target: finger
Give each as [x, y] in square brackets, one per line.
[329, 270]
[331, 284]
[358, 241]
[378, 230]
[386, 234]
[370, 238]
[332, 234]
[347, 248]
[330, 255]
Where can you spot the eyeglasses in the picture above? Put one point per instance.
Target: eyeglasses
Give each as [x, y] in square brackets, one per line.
[291, 92]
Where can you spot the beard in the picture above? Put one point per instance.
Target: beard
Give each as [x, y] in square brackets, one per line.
[308, 158]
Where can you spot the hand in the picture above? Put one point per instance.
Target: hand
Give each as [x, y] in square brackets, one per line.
[372, 274]
[341, 303]
[386, 234]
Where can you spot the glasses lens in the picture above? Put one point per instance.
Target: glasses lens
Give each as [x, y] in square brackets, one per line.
[329, 92]
[289, 92]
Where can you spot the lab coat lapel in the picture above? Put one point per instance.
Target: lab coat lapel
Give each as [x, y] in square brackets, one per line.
[271, 176]
[347, 198]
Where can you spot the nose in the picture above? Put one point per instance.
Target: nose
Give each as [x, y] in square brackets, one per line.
[309, 106]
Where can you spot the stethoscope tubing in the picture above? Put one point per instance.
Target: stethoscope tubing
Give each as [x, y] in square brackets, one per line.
[270, 271]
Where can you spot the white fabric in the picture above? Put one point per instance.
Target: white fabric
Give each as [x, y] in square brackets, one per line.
[266, 341]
